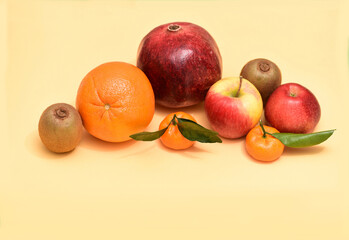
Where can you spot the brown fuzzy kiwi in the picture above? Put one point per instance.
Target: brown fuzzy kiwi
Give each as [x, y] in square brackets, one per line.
[60, 128]
[264, 74]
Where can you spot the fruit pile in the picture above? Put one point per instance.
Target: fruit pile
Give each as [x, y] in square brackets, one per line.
[179, 65]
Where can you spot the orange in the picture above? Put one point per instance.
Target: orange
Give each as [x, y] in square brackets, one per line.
[115, 100]
[173, 138]
[263, 148]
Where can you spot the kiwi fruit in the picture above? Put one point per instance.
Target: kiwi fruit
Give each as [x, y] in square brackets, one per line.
[264, 75]
[60, 128]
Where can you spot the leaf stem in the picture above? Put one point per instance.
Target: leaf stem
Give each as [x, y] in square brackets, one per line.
[264, 132]
[174, 120]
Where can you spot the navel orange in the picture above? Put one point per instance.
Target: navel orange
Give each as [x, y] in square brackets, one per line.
[115, 100]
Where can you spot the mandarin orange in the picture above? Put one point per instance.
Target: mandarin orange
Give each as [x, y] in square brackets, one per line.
[263, 147]
[173, 138]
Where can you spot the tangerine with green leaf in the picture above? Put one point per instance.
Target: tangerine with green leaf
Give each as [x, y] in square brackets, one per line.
[179, 131]
[261, 145]
[173, 138]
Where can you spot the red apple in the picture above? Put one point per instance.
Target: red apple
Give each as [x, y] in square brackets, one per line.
[292, 108]
[182, 61]
[233, 107]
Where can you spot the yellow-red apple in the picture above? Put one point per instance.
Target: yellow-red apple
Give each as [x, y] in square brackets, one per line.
[233, 106]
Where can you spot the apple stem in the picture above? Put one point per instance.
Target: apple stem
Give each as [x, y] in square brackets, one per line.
[238, 92]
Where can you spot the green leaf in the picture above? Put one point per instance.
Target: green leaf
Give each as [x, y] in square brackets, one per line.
[148, 136]
[297, 140]
[195, 132]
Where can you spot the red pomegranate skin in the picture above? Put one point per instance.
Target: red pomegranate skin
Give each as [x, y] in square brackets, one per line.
[181, 63]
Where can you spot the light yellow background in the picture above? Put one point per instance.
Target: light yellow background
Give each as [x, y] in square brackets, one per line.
[141, 190]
